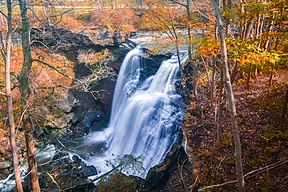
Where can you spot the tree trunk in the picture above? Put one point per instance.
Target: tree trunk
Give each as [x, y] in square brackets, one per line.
[234, 73]
[213, 78]
[9, 98]
[249, 76]
[27, 63]
[220, 110]
[230, 97]
[270, 29]
[248, 29]
[190, 51]
[280, 29]
[243, 24]
[25, 90]
[31, 159]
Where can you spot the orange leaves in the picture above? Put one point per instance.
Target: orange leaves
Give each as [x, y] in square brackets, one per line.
[120, 20]
[75, 25]
[162, 15]
[208, 48]
[44, 76]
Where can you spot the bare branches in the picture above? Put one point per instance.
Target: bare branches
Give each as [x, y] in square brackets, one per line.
[53, 180]
[109, 172]
[249, 174]
[177, 2]
[52, 67]
[218, 185]
[200, 13]
[266, 168]
[2, 13]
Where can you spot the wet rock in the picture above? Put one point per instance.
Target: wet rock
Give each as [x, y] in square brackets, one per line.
[38, 132]
[159, 174]
[106, 87]
[84, 170]
[92, 117]
[68, 173]
[129, 44]
[88, 171]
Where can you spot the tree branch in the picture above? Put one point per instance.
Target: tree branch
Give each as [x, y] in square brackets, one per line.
[2, 13]
[52, 67]
[107, 173]
[177, 2]
[249, 174]
[202, 14]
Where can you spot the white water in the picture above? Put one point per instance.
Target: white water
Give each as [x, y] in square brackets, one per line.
[143, 119]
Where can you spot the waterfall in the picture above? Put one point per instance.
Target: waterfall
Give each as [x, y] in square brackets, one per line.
[143, 117]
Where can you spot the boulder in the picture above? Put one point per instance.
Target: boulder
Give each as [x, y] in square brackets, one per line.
[63, 121]
[92, 117]
[159, 174]
[84, 170]
[67, 103]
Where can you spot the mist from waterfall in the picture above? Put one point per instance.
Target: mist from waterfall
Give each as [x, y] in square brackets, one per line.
[143, 118]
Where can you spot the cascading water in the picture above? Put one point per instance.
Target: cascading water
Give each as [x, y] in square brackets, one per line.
[143, 117]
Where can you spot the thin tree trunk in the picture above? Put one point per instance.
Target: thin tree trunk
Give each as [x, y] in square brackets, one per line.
[260, 30]
[234, 73]
[220, 110]
[270, 78]
[213, 78]
[257, 27]
[249, 29]
[280, 29]
[268, 42]
[230, 97]
[9, 99]
[249, 76]
[243, 25]
[25, 93]
[190, 51]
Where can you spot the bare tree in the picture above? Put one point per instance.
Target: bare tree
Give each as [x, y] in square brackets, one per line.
[25, 89]
[7, 55]
[230, 97]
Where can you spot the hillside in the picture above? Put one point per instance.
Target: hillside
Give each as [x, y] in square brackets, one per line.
[264, 139]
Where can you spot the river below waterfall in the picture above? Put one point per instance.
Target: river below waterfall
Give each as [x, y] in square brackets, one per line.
[144, 120]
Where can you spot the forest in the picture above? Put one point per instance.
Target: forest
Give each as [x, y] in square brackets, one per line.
[134, 95]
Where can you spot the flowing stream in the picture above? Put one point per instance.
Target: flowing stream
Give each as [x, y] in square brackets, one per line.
[144, 115]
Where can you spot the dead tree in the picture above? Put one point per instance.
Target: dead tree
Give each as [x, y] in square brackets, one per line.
[12, 126]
